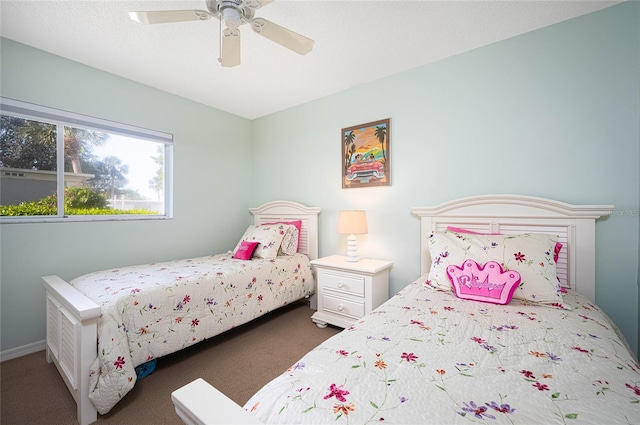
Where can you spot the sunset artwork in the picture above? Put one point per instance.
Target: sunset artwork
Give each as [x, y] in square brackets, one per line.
[365, 155]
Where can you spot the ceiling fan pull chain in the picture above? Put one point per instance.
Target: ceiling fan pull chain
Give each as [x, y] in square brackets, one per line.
[219, 41]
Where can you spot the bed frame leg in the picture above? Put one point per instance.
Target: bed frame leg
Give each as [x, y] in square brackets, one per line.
[87, 414]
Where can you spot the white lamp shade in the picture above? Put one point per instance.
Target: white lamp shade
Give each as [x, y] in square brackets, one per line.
[352, 222]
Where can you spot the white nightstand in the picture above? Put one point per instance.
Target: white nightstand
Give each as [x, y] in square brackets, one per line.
[348, 290]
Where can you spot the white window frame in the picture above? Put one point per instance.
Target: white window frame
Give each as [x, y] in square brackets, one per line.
[61, 118]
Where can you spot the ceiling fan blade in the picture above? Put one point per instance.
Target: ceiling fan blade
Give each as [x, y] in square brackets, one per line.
[256, 4]
[167, 16]
[230, 53]
[283, 36]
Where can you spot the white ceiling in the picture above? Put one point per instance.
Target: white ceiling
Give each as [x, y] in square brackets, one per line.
[355, 42]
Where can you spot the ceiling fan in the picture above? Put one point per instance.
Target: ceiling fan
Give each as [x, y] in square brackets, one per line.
[233, 13]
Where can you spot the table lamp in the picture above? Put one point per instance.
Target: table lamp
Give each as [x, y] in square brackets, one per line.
[352, 223]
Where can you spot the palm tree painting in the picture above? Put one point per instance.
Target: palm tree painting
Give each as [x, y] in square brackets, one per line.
[365, 155]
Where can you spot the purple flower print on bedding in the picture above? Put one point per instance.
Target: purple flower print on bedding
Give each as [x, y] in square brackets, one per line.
[502, 408]
[478, 411]
[184, 302]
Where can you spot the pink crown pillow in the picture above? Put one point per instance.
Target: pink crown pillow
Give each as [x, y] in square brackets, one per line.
[488, 283]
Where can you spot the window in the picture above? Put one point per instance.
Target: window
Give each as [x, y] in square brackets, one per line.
[57, 165]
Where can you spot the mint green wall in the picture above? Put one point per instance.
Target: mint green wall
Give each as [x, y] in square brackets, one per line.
[552, 113]
[207, 209]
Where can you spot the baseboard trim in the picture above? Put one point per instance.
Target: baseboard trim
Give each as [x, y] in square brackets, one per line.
[23, 350]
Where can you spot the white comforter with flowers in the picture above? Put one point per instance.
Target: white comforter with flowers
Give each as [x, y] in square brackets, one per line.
[427, 357]
[152, 310]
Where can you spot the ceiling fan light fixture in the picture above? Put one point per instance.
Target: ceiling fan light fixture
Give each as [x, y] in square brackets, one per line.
[231, 17]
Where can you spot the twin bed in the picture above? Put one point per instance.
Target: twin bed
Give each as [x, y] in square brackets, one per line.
[427, 356]
[104, 325]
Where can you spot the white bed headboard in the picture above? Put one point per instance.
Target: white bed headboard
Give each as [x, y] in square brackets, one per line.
[510, 214]
[288, 211]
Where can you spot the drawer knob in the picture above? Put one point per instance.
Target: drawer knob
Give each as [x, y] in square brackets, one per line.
[340, 284]
[340, 307]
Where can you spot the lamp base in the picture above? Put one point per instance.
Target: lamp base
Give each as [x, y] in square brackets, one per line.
[352, 245]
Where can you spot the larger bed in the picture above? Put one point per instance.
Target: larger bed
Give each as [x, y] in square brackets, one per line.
[427, 356]
[106, 329]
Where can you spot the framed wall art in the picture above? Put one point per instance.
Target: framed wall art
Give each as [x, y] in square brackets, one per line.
[365, 155]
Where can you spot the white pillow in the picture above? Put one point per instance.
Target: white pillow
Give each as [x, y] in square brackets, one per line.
[530, 254]
[269, 236]
[289, 245]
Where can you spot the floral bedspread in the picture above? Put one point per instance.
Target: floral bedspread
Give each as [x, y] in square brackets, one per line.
[427, 357]
[156, 309]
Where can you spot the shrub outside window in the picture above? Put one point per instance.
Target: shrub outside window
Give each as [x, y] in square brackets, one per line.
[57, 165]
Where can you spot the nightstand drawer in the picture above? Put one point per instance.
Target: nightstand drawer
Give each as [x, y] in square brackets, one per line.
[342, 306]
[343, 282]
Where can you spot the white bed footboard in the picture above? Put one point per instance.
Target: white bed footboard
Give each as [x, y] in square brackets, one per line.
[72, 340]
[199, 403]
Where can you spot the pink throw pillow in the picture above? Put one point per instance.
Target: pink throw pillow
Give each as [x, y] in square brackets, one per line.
[245, 250]
[470, 232]
[488, 283]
